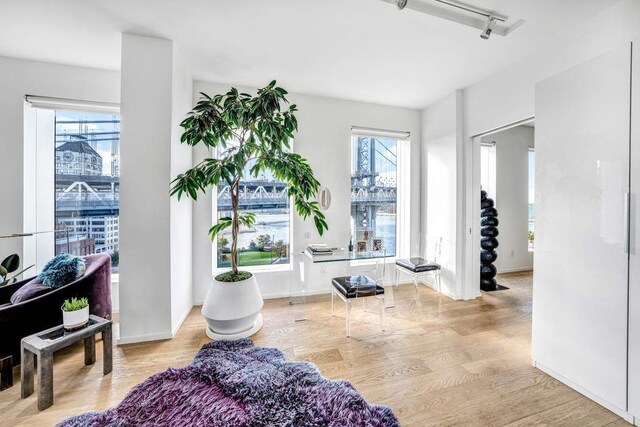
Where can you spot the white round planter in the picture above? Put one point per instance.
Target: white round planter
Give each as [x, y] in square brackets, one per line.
[232, 309]
[75, 319]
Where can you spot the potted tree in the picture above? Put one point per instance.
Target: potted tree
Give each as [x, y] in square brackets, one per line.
[250, 134]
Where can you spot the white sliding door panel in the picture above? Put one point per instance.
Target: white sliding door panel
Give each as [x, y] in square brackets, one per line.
[581, 264]
[634, 258]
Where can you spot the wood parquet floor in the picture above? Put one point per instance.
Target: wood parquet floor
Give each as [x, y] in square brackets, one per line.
[442, 362]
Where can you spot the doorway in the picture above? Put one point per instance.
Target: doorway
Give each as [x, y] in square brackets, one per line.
[503, 238]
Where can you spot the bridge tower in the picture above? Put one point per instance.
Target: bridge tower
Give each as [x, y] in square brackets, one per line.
[363, 184]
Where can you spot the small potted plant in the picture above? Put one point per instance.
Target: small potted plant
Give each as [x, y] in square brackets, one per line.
[75, 313]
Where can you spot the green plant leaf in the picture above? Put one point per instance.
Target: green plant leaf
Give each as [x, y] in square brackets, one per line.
[247, 219]
[74, 304]
[241, 128]
[11, 263]
[223, 224]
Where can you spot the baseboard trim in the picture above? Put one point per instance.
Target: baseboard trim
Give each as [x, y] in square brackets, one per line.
[279, 295]
[145, 338]
[288, 295]
[600, 401]
[515, 270]
[180, 322]
[328, 291]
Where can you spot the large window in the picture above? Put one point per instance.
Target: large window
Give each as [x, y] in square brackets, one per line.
[488, 168]
[87, 183]
[374, 193]
[267, 242]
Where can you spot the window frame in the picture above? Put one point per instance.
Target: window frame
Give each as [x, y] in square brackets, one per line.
[39, 126]
[403, 188]
[249, 268]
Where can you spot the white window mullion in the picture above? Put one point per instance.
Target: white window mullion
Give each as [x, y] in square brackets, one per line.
[403, 219]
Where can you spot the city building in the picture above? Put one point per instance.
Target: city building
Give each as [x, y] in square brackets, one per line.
[87, 189]
[77, 157]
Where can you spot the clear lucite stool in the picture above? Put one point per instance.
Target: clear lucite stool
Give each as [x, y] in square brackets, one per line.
[351, 288]
[418, 268]
[361, 287]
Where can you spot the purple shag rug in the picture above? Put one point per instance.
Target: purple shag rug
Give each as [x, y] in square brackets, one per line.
[233, 383]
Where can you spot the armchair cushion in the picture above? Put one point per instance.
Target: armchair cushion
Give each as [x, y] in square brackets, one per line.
[417, 265]
[31, 290]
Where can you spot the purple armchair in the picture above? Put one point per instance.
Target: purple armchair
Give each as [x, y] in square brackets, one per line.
[28, 317]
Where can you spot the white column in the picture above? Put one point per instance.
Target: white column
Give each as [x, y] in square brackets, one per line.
[155, 271]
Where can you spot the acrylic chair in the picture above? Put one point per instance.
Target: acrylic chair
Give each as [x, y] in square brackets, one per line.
[360, 287]
[419, 267]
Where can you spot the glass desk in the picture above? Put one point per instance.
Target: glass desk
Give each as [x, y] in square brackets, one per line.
[343, 255]
[303, 263]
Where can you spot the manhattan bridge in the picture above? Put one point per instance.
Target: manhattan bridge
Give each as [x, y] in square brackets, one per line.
[371, 191]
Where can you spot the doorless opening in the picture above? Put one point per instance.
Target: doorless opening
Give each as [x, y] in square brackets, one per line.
[504, 236]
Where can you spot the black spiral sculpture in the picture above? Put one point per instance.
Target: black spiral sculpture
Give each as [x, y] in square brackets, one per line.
[488, 244]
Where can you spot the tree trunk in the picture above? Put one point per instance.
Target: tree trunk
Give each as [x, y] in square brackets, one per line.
[235, 224]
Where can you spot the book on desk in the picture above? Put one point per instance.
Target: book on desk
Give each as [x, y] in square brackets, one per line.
[320, 249]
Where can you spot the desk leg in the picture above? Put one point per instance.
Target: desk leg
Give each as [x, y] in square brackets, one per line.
[107, 351]
[90, 350]
[389, 300]
[26, 372]
[45, 381]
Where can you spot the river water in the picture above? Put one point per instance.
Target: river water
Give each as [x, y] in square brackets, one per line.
[276, 225]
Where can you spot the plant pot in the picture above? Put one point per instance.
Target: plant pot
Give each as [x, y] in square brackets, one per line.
[75, 319]
[232, 309]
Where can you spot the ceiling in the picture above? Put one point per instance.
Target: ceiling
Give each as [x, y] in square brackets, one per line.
[364, 50]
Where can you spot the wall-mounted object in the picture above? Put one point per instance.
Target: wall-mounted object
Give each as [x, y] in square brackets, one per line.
[324, 198]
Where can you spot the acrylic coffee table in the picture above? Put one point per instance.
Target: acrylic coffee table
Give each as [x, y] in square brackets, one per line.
[43, 344]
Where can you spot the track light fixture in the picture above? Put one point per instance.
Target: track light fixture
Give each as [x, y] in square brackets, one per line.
[489, 21]
[488, 29]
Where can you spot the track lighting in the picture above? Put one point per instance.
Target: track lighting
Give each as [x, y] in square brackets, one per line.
[489, 21]
[486, 33]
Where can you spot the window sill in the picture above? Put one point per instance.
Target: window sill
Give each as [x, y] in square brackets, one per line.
[259, 269]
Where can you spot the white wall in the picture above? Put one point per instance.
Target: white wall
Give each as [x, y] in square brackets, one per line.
[512, 197]
[441, 154]
[181, 211]
[155, 231]
[508, 96]
[324, 138]
[17, 79]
